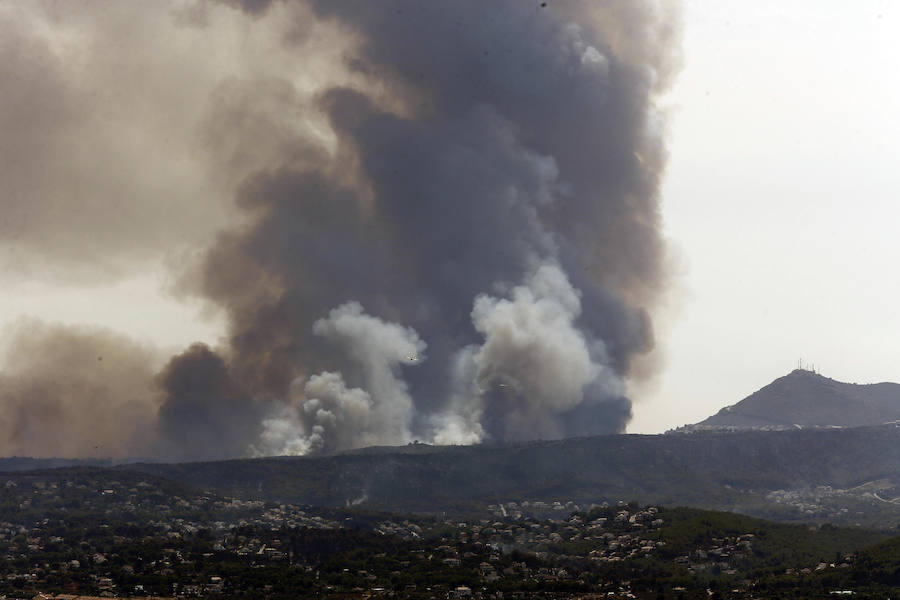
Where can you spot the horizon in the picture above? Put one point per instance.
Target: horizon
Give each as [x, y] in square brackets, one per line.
[166, 294]
[723, 430]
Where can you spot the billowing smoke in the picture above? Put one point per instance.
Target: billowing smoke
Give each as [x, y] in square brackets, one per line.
[328, 416]
[206, 414]
[534, 368]
[76, 391]
[478, 179]
[378, 349]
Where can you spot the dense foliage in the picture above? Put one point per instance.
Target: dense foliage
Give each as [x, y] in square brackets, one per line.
[93, 531]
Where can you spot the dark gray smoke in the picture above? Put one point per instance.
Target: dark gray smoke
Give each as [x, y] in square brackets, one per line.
[206, 414]
[447, 221]
[494, 187]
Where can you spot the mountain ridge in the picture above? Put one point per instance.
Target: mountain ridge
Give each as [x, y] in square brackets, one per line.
[815, 473]
[804, 398]
[737, 471]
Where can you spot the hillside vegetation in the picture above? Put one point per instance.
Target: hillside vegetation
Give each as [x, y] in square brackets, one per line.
[841, 476]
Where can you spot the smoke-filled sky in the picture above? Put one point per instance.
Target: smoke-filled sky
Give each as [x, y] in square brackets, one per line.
[403, 221]
[246, 228]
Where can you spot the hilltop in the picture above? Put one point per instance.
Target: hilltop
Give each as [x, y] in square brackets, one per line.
[806, 399]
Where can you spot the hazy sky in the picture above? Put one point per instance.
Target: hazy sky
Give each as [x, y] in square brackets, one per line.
[778, 201]
[781, 200]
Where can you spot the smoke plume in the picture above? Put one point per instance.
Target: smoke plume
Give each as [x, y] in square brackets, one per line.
[76, 391]
[534, 366]
[206, 414]
[478, 179]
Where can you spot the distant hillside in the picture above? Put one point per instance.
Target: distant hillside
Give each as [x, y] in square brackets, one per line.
[841, 475]
[22, 463]
[806, 399]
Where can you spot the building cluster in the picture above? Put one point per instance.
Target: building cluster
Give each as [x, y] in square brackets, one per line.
[136, 538]
[247, 532]
[721, 554]
[825, 502]
[145, 503]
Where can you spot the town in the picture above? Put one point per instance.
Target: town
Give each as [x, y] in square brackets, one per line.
[82, 533]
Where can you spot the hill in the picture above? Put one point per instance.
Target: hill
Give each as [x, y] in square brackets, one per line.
[815, 475]
[806, 399]
[22, 463]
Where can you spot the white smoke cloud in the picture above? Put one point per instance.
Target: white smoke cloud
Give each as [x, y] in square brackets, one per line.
[459, 429]
[460, 424]
[327, 415]
[283, 434]
[379, 348]
[339, 414]
[533, 366]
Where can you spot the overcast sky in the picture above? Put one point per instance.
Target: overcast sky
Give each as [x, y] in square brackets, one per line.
[781, 200]
[779, 203]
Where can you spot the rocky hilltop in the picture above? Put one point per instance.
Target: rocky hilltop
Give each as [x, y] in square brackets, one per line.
[806, 399]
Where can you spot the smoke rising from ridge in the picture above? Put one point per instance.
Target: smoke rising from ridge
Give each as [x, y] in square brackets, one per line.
[534, 365]
[478, 180]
